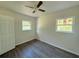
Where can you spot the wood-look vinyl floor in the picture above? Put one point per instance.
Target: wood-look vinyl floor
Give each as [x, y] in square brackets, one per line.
[37, 49]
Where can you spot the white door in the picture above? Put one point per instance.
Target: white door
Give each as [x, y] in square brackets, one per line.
[7, 33]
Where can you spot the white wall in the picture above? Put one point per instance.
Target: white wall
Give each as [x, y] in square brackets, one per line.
[20, 36]
[24, 36]
[47, 30]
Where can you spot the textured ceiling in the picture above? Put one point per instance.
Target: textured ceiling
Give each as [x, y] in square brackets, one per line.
[49, 6]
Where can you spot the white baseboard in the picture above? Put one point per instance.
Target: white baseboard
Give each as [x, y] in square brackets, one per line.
[23, 42]
[7, 51]
[62, 48]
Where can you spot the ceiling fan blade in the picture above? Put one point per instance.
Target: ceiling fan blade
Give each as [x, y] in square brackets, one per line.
[29, 6]
[41, 10]
[33, 11]
[39, 4]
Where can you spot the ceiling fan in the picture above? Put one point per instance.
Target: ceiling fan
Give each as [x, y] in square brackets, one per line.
[37, 7]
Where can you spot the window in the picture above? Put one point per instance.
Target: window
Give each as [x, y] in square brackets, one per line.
[64, 25]
[26, 25]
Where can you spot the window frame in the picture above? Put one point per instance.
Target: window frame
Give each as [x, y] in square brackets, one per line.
[26, 25]
[73, 22]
